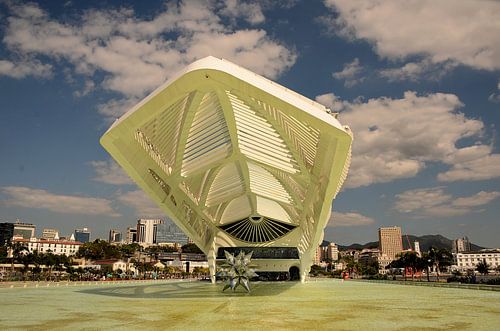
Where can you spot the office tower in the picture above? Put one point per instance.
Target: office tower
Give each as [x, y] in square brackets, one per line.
[115, 236]
[50, 234]
[460, 245]
[318, 256]
[168, 232]
[131, 235]
[6, 233]
[146, 230]
[332, 252]
[390, 242]
[24, 230]
[82, 235]
[417, 248]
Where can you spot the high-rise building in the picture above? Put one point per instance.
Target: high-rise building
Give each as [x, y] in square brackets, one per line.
[168, 232]
[318, 256]
[6, 233]
[50, 234]
[24, 230]
[146, 230]
[332, 252]
[115, 236]
[460, 245]
[82, 235]
[417, 248]
[390, 241]
[131, 235]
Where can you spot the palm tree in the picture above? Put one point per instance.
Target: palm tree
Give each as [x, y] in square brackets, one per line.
[426, 262]
[49, 260]
[439, 258]
[483, 267]
[17, 251]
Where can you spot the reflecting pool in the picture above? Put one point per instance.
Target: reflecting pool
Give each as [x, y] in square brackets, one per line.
[323, 304]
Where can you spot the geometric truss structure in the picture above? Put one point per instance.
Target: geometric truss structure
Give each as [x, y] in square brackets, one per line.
[236, 160]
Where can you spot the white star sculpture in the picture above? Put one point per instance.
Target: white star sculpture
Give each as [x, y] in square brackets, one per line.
[237, 270]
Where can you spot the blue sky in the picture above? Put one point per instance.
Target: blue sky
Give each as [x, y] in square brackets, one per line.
[417, 81]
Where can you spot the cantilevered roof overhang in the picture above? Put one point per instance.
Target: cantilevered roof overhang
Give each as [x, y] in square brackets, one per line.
[233, 157]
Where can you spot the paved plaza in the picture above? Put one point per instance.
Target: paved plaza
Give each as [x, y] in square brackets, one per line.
[178, 305]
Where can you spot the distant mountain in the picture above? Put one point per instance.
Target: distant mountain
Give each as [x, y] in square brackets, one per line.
[426, 241]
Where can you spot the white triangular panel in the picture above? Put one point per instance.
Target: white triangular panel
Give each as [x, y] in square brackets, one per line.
[272, 209]
[227, 184]
[236, 209]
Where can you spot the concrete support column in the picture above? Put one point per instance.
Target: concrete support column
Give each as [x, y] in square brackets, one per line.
[211, 257]
[305, 266]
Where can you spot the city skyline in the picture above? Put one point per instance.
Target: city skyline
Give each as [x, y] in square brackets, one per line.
[422, 100]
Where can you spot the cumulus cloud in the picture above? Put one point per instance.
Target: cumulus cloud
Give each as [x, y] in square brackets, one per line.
[441, 32]
[414, 71]
[397, 138]
[110, 172]
[143, 205]
[67, 204]
[250, 11]
[136, 55]
[331, 101]
[484, 167]
[348, 219]
[351, 73]
[22, 69]
[434, 202]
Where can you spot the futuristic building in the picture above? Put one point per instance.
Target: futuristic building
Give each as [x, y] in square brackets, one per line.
[238, 162]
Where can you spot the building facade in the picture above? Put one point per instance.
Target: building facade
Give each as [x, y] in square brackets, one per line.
[460, 245]
[82, 235]
[332, 252]
[131, 235]
[57, 247]
[147, 230]
[6, 233]
[115, 236]
[469, 260]
[50, 234]
[169, 233]
[24, 230]
[390, 241]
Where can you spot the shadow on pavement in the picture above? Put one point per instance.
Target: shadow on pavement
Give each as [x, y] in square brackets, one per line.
[190, 290]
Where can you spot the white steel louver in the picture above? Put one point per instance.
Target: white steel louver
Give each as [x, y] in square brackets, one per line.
[258, 139]
[208, 140]
[227, 183]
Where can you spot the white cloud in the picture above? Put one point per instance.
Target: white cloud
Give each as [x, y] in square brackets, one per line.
[22, 69]
[434, 202]
[338, 219]
[351, 73]
[415, 71]
[331, 101]
[397, 138]
[495, 96]
[137, 55]
[67, 204]
[110, 172]
[250, 11]
[446, 31]
[143, 205]
[88, 87]
[482, 168]
[478, 199]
